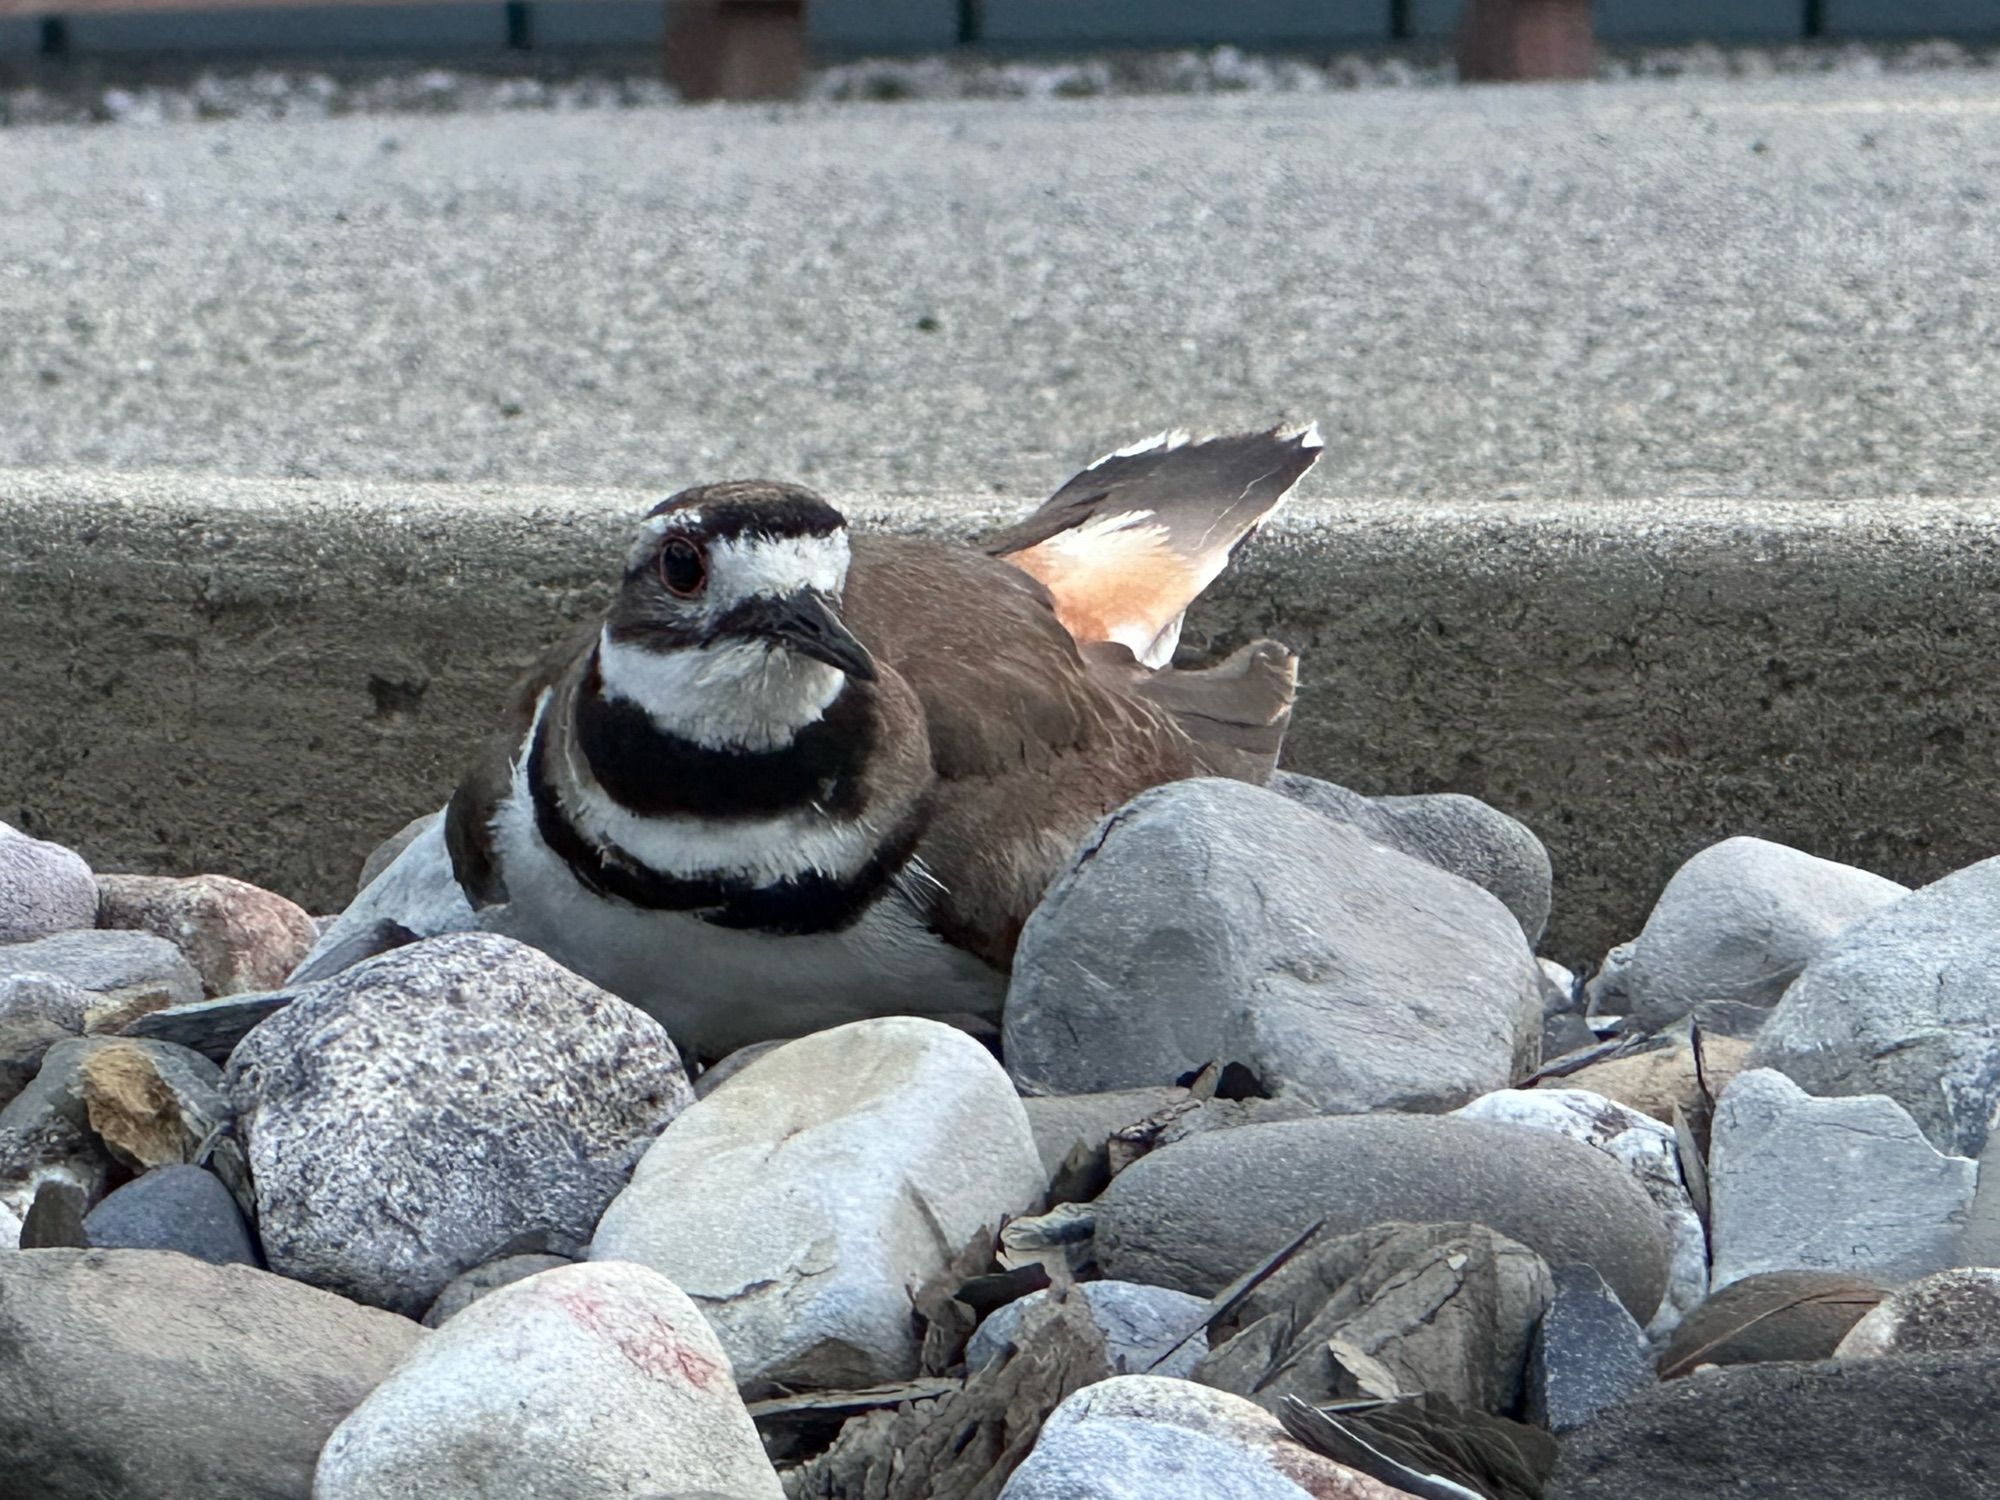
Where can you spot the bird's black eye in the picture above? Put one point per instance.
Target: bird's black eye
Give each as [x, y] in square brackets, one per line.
[682, 567]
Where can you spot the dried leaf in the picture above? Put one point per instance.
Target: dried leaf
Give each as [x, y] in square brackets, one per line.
[1084, 1173]
[1694, 1171]
[854, 1402]
[966, 1442]
[986, 1294]
[1230, 1297]
[1701, 1120]
[1061, 1241]
[1370, 1378]
[1693, 1358]
[945, 1319]
[1428, 1446]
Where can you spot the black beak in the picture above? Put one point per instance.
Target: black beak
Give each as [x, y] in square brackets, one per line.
[804, 622]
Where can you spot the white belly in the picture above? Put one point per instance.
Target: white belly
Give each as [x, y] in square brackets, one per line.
[713, 988]
[719, 988]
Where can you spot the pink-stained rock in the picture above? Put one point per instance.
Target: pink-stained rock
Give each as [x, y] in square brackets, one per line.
[592, 1379]
[238, 936]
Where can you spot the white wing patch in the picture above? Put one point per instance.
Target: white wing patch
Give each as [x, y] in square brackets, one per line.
[1166, 442]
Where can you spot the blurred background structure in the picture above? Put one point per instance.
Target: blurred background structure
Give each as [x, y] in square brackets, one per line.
[759, 48]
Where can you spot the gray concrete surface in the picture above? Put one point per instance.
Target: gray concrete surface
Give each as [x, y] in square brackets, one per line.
[1620, 292]
[264, 677]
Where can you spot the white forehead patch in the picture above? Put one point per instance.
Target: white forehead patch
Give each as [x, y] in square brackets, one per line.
[674, 520]
[742, 567]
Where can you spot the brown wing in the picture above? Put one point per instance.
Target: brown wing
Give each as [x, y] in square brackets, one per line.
[1030, 746]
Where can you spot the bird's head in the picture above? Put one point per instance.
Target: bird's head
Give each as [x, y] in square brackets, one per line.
[729, 612]
[743, 563]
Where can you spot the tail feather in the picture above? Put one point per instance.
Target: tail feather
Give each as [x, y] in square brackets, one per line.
[1236, 711]
[1130, 542]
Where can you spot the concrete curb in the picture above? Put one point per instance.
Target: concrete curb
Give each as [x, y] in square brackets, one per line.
[264, 678]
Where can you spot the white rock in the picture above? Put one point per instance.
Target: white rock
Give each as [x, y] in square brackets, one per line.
[1644, 1147]
[597, 1380]
[804, 1201]
[1905, 1002]
[1736, 923]
[1797, 1183]
[1146, 1437]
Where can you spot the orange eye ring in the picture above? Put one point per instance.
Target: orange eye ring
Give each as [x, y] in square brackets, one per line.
[683, 568]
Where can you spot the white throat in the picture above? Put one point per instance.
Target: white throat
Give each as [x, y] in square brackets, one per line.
[736, 695]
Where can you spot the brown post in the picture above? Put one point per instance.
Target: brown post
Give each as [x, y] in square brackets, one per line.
[1501, 40]
[736, 49]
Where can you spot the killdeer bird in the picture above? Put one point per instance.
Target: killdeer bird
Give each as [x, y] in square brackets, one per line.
[795, 777]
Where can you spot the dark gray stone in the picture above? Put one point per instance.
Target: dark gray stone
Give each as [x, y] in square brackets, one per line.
[46, 996]
[468, 1287]
[100, 1105]
[132, 1373]
[384, 854]
[455, 1100]
[1589, 1354]
[1448, 1309]
[25, 1039]
[1899, 1425]
[1906, 1002]
[724, 1069]
[1139, 1323]
[211, 1027]
[106, 963]
[174, 1208]
[1195, 1214]
[1208, 920]
[54, 1221]
[1062, 1122]
[44, 888]
[1735, 924]
[1458, 834]
[1850, 1185]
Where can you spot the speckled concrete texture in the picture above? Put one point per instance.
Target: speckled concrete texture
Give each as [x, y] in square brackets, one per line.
[1616, 291]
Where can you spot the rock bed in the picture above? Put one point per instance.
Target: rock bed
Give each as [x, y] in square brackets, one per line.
[126, 93]
[1290, 1171]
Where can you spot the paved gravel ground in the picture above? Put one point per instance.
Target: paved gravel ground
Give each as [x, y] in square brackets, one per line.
[1700, 287]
